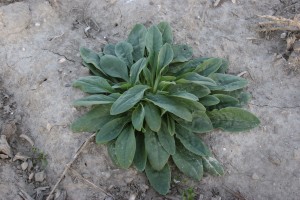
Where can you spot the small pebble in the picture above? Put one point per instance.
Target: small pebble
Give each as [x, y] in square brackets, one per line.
[283, 35]
[132, 197]
[24, 166]
[37, 24]
[31, 176]
[62, 60]
[255, 176]
[39, 177]
[23, 49]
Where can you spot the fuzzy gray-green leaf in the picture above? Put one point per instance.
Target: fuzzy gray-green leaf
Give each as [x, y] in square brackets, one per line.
[209, 66]
[212, 166]
[125, 147]
[114, 66]
[152, 116]
[182, 53]
[136, 69]
[165, 57]
[153, 40]
[191, 142]
[209, 100]
[226, 82]
[137, 117]
[109, 49]
[200, 124]
[90, 57]
[140, 157]
[171, 105]
[128, 99]
[94, 100]
[198, 79]
[137, 38]
[188, 163]
[226, 101]
[157, 155]
[93, 85]
[166, 31]
[124, 52]
[111, 130]
[111, 149]
[198, 90]
[166, 139]
[233, 119]
[159, 180]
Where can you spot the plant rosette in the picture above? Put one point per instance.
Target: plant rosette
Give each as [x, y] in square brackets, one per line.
[150, 102]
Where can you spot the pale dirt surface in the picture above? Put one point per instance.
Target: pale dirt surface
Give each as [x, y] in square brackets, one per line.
[39, 60]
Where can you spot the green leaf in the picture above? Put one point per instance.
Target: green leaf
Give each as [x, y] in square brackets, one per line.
[147, 76]
[209, 66]
[166, 31]
[224, 66]
[159, 180]
[94, 70]
[165, 57]
[226, 82]
[198, 90]
[93, 120]
[114, 67]
[111, 149]
[124, 52]
[136, 69]
[226, 101]
[188, 163]
[93, 85]
[137, 117]
[212, 166]
[94, 100]
[140, 157]
[157, 155]
[182, 53]
[171, 105]
[153, 40]
[233, 119]
[191, 142]
[185, 95]
[171, 125]
[198, 79]
[111, 130]
[209, 100]
[125, 147]
[166, 139]
[200, 124]
[90, 57]
[128, 99]
[189, 66]
[152, 116]
[109, 49]
[137, 38]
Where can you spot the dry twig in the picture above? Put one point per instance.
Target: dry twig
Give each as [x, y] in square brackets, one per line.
[279, 23]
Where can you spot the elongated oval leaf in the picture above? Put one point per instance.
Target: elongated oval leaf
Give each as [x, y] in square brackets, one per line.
[185, 95]
[224, 66]
[171, 105]
[136, 69]
[94, 100]
[111, 149]
[165, 57]
[171, 125]
[209, 100]
[114, 67]
[137, 117]
[188, 66]
[157, 155]
[226, 82]
[111, 130]
[153, 40]
[198, 90]
[182, 53]
[125, 147]
[191, 141]
[166, 139]
[90, 57]
[188, 163]
[93, 85]
[152, 116]
[166, 31]
[128, 99]
[159, 180]
[212, 166]
[233, 119]
[124, 52]
[137, 38]
[94, 70]
[109, 49]
[226, 101]
[198, 79]
[209, 66]
[93, 120]
[200, 124]
[140, 157]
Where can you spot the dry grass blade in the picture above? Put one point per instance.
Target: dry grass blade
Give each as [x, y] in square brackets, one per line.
[279, 23]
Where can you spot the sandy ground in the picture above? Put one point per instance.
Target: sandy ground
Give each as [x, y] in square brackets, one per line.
[39, 60]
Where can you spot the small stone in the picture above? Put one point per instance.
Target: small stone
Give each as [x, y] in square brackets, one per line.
[144, 187]
[39, 177]
[48, 127]
[37, 24]
[283, 35]
[3, 156]
[30, 165]
[62, 60]
[106, 175]
[274, 159]
[201, 197]
[128, 180]
[24, 166]
[255, 176]
[31, 176]
[296, 46]
[297, 154]
[132, 197]
[23, 49]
